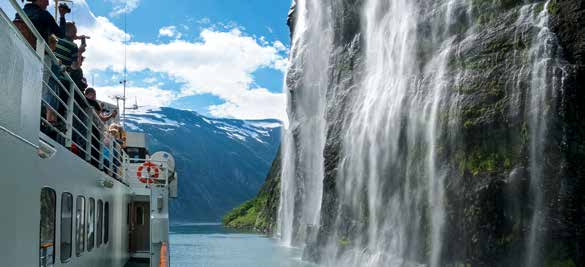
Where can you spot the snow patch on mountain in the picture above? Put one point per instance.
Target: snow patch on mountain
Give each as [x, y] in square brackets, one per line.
[238, 130]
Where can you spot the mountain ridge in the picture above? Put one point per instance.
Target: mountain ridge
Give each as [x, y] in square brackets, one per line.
[221, 162]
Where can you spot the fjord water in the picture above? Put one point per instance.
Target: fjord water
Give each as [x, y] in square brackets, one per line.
[400, 140]
[211, 245]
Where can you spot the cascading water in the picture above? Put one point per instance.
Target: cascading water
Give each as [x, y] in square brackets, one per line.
[543, 88]
[405, 132]
[302, 175]
[391, 158]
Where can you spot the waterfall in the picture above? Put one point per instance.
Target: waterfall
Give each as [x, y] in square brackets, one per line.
[543, 88]
[402, 139]
[391, 159]
[302, 173]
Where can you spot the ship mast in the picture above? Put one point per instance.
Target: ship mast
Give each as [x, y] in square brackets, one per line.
[125, 70]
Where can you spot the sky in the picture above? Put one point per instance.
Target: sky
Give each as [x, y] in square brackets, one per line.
[221, 58]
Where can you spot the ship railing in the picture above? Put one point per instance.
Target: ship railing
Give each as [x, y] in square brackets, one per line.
[159, 175]
[77, 126]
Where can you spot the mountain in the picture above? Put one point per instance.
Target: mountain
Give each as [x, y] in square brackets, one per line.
[221, 162]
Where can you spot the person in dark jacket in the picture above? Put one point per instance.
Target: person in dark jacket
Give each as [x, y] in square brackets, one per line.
[90, 95]
[45, 24]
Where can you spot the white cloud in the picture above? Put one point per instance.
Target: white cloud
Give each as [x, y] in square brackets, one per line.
[169, 31]
[280, 46]
[150, 80]
[221, 62]
[123, 6]
[150, 96]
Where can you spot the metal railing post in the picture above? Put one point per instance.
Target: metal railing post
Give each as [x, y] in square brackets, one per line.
[101, 152]
[70, 110]
[41, 49]
[111, 155]
[123, 165]
[88, 136]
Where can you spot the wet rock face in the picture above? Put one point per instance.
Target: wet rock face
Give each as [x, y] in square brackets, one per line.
[488, 200]
[571, 125]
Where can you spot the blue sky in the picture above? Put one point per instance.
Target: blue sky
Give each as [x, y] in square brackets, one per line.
[259, 19]
[222, 58]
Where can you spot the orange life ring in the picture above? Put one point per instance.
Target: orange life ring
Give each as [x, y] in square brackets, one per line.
[152, 172]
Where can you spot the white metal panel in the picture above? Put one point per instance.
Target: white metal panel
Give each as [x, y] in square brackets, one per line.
[135, 139]
[20, 86]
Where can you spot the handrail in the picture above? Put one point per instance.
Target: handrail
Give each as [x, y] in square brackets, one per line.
[47, 49]
[75, 106]
[22, 139]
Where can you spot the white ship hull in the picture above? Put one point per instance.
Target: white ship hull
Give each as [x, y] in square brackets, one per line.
[111, 216]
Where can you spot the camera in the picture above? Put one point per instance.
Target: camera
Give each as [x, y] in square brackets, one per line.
[65, 7]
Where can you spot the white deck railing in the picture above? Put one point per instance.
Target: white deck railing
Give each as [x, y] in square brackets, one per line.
[78, 126]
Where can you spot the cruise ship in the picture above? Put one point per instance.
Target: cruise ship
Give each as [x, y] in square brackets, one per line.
[71, 194]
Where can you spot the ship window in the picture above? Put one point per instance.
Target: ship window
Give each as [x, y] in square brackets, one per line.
[79, 225]
[100, 224]
[66, 223]
[91, 225]
[106, 222]
[47, 234]
[139, 215]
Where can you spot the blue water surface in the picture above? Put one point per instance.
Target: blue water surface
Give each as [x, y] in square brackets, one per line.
[211, 245]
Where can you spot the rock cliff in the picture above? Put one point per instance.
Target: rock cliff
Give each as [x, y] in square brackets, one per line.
[445, 133]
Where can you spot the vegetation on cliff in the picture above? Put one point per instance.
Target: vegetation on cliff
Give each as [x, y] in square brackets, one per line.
[259, 213]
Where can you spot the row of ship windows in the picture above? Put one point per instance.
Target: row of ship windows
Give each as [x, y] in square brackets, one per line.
[92, 226]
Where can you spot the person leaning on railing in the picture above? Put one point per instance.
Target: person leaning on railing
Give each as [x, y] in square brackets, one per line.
[90, 95]
[67, 50]
[50, 98]
[44, 23]
[118, 133]
[76, 73]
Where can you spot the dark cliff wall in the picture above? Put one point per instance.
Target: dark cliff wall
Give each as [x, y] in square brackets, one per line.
[487, 188]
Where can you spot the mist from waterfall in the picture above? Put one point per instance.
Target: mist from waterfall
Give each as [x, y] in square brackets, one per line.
[393, 174]
[402, 134]
[304, 140]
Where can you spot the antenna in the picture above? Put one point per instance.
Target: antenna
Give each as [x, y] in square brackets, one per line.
[125, 69]
[117, 98]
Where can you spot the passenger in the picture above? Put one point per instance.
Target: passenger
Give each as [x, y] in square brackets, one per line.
[51, 93]
[76, 74]
[48, 97]
[42, 20]
[118, 132]
[67, 50]
[90, 95]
